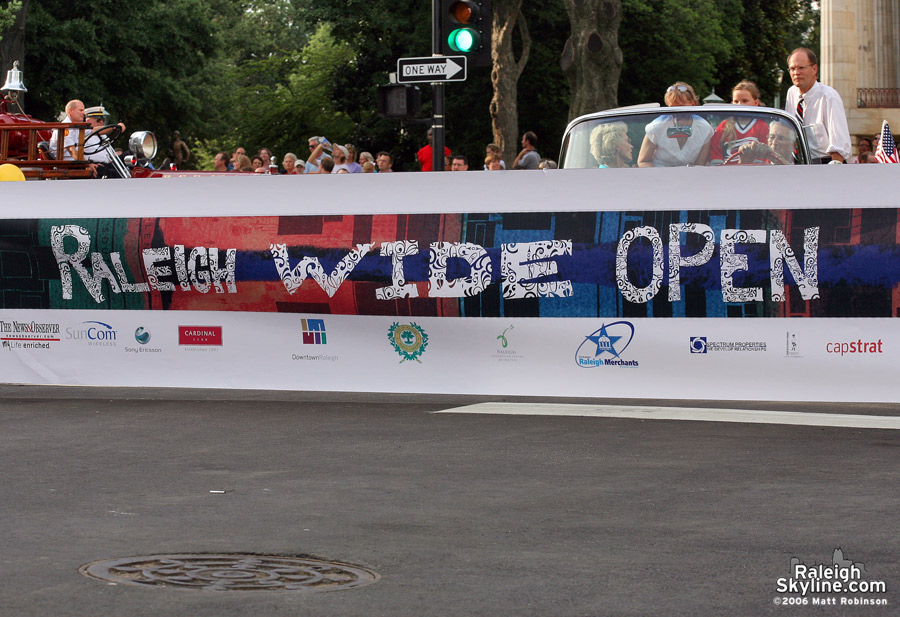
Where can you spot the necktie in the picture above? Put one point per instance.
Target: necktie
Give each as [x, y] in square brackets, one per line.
[800, 109]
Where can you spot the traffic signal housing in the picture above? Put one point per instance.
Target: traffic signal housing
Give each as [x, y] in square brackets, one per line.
[398, 101]
[466, 30]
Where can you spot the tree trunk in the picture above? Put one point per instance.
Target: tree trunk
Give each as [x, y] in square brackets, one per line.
[591, 59]
[12, 44]
[505, 75]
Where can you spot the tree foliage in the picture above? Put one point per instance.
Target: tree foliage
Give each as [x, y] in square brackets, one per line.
[275, 72]
[8, 15]
[664, 41]
[144, 61]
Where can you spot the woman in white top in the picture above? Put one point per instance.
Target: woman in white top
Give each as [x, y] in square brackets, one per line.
[676, 140]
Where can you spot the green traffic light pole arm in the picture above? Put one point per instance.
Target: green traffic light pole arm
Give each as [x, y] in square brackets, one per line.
[437, 119]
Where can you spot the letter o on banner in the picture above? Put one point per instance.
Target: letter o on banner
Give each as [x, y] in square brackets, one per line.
[629, 291]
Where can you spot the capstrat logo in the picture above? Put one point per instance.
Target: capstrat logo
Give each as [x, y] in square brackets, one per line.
[200, 335]
[604, 347]
[94, 333]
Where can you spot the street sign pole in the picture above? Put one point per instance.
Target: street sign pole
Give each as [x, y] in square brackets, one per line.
[437, 119]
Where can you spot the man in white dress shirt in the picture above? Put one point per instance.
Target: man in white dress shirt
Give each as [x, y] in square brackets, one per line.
[814, 103]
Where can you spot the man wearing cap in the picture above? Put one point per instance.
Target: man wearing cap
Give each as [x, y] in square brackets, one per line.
[74, 113]
[96, 147]
[340, 158]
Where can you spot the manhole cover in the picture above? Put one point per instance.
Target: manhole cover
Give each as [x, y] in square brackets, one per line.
[230, 573]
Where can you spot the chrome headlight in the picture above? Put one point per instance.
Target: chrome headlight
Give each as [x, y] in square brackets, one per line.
[143, 144]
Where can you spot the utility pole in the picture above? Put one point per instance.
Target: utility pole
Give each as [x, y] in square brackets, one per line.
[437, 119]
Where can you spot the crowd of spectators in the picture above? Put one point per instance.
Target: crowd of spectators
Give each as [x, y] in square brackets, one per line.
[326, 157]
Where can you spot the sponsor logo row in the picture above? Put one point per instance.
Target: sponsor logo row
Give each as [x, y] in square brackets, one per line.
[607, 346]
[36, 335]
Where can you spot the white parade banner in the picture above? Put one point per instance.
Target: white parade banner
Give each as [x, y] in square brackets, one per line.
[570, 283]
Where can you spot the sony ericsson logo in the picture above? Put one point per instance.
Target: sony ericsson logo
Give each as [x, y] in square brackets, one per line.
[313, 331]
[604, 347]
[142, 336]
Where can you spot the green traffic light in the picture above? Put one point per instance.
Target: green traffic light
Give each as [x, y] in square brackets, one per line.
[463, 40]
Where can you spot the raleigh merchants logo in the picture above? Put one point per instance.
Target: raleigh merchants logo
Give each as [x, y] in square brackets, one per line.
[604, 347]
[28, 335]
[700, 344]
[313, 331]
[409, 341]
[200, 336]
[833, 584]
[94, 333]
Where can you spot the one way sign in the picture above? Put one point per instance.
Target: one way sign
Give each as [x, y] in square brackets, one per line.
[443, 68]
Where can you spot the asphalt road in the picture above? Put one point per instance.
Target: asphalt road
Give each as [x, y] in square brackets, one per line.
[460, 515]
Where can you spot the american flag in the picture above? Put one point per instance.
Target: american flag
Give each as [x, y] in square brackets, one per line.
[887, 150]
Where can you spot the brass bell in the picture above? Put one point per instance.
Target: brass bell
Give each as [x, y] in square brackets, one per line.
[14, 80]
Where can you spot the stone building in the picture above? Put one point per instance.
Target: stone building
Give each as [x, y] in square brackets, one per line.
[860, 58]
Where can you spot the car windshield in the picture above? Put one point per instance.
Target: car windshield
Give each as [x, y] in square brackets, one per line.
[675, 138]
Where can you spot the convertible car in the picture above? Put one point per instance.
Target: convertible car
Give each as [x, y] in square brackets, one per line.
[654, 136]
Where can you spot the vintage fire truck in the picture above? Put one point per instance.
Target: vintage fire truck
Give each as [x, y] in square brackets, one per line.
[24, 141]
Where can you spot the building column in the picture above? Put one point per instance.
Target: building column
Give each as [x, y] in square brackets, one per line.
[837, 67]
[886, 16]
[865, 32]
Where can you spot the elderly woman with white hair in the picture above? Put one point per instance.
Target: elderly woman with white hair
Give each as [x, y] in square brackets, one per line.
[611, 145]
[290, 164]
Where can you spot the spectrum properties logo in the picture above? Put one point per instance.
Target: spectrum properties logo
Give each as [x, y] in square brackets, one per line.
[604, 347]
[700, 344]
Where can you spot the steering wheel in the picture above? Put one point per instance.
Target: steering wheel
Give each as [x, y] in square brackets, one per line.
[735, 159]
[113, 133]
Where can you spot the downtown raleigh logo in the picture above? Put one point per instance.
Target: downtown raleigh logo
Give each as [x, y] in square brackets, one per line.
[312, 332]
[604, 347]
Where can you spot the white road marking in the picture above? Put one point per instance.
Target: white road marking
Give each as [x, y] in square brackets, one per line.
[683, 413]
